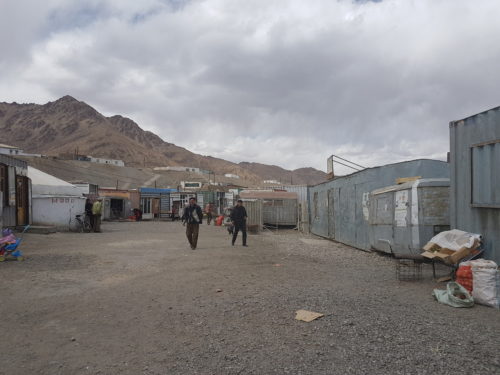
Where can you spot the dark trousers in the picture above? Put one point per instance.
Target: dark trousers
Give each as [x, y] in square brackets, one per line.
[209, 218]
[97, 223]
[192, 234]
[243, 228]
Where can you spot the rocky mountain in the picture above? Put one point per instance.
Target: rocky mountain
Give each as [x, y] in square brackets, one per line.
[68, 126]
[309, 176]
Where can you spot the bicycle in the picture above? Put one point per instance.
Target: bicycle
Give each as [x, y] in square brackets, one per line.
[83, 225]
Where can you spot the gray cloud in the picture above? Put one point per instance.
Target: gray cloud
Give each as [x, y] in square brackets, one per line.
[286, 83]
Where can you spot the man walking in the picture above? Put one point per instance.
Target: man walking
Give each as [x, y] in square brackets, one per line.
[209, 208]
[192, 218]
[239, 220]
[96, 214]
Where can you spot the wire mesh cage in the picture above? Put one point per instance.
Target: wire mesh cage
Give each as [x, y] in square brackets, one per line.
[408, 270]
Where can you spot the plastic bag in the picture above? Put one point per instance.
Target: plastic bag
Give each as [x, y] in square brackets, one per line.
[455, 239]
[486, 282]
[455, 295]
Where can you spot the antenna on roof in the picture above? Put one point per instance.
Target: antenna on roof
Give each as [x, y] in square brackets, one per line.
[348, 163]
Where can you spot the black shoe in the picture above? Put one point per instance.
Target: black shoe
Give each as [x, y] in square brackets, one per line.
[232, 243]
[245, 245]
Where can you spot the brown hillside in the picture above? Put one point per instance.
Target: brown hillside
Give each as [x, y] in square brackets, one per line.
[67, 125]
[309, 176]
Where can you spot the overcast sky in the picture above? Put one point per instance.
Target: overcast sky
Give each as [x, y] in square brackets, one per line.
[285, 82]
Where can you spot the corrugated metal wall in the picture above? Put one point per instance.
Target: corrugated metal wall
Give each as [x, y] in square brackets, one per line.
[279, 211]
[337, 208]
[475, 178]
[301, 190]
[254, 213]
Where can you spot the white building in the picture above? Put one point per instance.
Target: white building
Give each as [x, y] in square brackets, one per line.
[54, 202]
[178, 169]
[10, 150]
[14, 151]
[271, 182]
[118, 163]
[230, 175]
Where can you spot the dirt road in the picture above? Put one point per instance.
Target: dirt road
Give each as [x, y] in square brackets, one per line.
[137, 300]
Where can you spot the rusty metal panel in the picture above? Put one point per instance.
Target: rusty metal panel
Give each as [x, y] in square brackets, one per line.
[475, 178]
[350, 213]
[254, 213]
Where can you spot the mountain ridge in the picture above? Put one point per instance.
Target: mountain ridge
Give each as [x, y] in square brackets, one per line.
[67, 125]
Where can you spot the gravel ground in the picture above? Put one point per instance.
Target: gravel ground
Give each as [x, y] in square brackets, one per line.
[137, 300]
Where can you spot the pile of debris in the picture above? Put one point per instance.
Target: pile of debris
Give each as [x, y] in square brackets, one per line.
[452, 246]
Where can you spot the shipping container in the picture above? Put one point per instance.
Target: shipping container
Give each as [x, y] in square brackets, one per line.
[278, 207]
[338, 209]
[254, 214]
[475, 178]
[403, 218]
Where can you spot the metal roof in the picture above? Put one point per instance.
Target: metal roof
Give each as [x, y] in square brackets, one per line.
[266, 194]
[156, 190]
[7, 146]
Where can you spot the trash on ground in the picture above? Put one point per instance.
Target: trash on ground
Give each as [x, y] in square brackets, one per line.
[455, 295]
[307, 316]
[9, 245]
[452, 246]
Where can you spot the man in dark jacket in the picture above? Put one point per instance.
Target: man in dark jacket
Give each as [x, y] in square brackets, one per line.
[239, 220]
[192, 218]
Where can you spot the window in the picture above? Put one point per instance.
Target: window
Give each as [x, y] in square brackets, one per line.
[485, 174]
[4, 184]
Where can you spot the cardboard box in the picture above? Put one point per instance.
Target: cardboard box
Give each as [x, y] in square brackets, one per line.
[448, 256]
[431, 246]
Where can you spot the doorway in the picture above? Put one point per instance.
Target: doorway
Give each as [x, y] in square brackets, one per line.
[22, 200]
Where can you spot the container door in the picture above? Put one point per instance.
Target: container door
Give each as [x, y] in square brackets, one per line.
[22, 200]
[146, 208]
[331, 213]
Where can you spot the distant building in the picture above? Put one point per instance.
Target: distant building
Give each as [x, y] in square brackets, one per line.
[10, 150]
[271, 182]
[230, 175]
[179, 169]
[14, 151]
[118, 163]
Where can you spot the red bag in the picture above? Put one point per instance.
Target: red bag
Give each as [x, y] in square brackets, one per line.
[219, 220]
[464, 277]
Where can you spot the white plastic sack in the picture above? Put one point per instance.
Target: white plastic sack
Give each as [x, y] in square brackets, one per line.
[486, 282]
[455, 239]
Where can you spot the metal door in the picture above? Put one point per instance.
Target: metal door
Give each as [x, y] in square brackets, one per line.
[22, 200]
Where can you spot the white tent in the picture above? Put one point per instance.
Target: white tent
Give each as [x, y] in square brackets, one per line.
[54, 202]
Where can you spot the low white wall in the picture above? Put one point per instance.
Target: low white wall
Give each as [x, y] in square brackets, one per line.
[57, 211]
